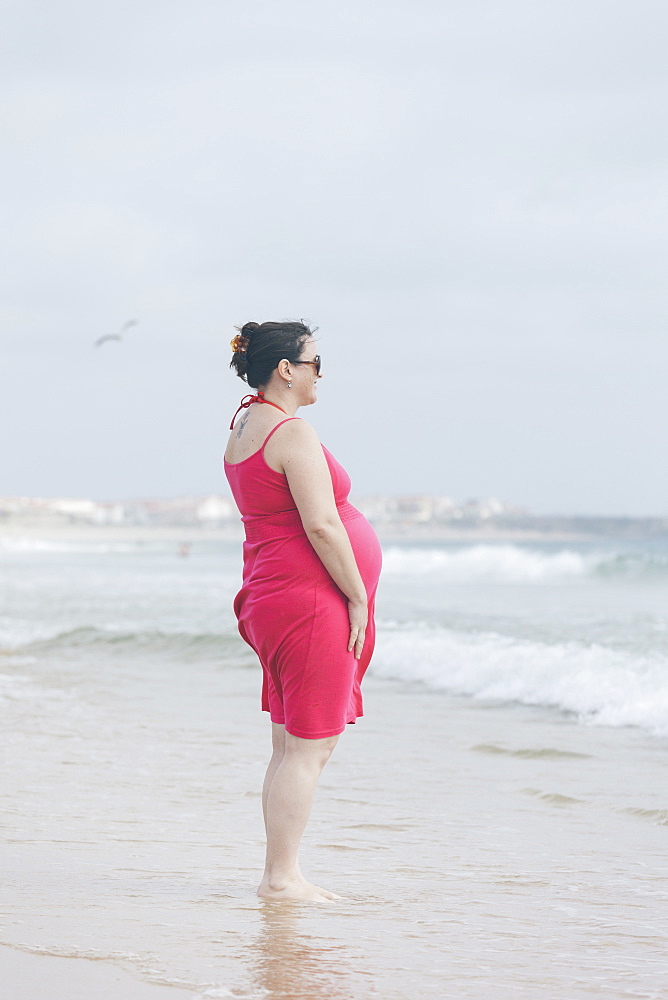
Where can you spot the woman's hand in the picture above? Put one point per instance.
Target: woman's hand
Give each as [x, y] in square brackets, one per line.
[358, 614]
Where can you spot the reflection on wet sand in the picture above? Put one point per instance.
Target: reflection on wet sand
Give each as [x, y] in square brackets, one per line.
[287, 962]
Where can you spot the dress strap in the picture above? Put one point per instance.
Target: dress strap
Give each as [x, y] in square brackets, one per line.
[249, 400]
[274, 429]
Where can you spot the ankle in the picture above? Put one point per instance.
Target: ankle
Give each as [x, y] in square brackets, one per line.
[279, 878]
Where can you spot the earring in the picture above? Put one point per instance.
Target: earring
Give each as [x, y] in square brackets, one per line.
[289, 385]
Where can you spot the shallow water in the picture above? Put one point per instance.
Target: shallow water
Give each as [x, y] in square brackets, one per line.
[484, 848]
[580, 627]
[472, 863]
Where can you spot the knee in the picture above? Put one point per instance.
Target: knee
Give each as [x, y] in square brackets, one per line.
[325, 751]
[320, 757]
[278, 741]
[314, 753]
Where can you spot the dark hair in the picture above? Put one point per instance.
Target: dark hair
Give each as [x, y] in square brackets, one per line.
[260, 346]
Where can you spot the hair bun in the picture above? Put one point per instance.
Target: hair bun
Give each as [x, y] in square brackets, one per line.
[241, 341]
[259, 347]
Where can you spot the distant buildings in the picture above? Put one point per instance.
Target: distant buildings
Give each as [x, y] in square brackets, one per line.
[434, 511]
[411, 516]
[207, 511]
[215, 511]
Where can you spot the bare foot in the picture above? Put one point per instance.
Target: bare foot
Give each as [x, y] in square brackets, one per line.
[294, 889]
[323, 892]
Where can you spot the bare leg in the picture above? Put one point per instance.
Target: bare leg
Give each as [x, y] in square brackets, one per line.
[278, 750]
[287, 798]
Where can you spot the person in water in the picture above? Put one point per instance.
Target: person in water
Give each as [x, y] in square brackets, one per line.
[310, 572]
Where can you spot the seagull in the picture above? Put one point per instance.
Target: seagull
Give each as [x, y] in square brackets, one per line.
[115, 336]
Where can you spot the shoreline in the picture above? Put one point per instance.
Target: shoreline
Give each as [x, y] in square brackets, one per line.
[28, 975]
[234, 533]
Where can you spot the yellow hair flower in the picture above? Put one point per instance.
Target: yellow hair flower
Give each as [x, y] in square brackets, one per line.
[239, 344]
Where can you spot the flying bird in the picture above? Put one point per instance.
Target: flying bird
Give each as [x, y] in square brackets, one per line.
[116, 336]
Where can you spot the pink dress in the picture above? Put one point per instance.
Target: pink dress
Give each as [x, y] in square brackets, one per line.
[290, 610]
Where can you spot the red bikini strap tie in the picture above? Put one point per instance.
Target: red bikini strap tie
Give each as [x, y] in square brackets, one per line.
[249, 400]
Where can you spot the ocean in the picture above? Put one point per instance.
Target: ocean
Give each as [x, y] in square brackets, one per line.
[581, 628]
[515, 686]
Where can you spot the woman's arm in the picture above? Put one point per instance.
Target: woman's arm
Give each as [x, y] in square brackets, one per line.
[298, 451]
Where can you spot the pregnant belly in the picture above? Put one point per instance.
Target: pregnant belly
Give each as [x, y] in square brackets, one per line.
[368, 553]
[289, 563]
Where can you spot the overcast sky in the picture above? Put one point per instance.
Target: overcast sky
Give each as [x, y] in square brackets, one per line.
[469, 199]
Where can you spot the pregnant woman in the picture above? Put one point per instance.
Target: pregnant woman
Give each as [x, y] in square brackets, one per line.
[311, 568]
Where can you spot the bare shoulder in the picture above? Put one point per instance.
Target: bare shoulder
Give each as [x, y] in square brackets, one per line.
[293, 439]
[297, 430]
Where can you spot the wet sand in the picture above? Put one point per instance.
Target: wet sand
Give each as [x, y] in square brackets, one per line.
[29, 976]
[482, 851]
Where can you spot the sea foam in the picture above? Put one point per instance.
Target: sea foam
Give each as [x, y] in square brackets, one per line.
[595, 683]
[519, 564]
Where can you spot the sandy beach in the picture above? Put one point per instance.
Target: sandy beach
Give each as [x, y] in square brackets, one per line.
[481, 851]
[496, 824]
[33, 976]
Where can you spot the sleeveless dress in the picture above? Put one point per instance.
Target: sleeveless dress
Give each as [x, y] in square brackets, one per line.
[289, 609]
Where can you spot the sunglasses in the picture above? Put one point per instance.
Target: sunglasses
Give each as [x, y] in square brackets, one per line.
[316, 362]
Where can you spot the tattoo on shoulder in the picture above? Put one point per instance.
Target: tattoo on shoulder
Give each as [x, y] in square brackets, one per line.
[242, 424]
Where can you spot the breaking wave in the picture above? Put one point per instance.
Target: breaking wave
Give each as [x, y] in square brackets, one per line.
[520, 564]
[595, 683]
[124, 643]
